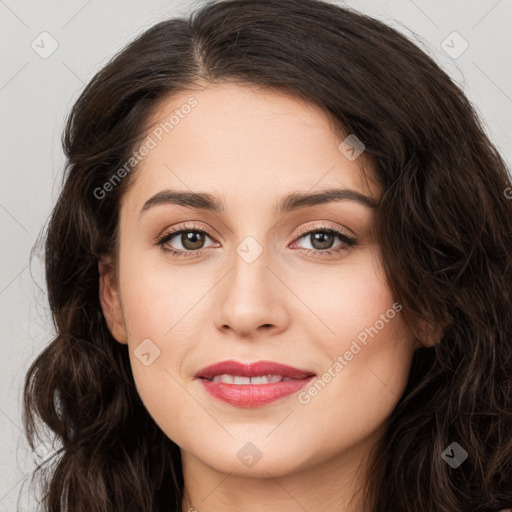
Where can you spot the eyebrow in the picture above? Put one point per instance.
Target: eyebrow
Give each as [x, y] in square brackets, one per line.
[290, 202]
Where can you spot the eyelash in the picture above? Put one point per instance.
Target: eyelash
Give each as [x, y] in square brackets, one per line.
[169, 235]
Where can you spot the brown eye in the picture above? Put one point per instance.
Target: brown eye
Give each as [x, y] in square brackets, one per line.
[182, 241]
[192, 240]
[322, 240]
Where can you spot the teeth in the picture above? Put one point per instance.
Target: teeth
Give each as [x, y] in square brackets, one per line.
[241, 380]
[237, 379]
[227, 379]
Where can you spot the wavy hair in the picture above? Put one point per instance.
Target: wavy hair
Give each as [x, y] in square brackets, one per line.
[444, 227]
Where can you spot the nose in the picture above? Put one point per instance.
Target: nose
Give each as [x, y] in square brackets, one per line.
[252, 299]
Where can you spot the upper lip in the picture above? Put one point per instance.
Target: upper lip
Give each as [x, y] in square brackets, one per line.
[252, 370]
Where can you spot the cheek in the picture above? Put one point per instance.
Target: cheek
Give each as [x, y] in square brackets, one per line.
[157, 300]
[369, 352]
[352, 299]
[155, 311]
[369, 356]
[358, 389]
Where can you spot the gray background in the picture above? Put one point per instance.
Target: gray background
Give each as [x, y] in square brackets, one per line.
[36, 93]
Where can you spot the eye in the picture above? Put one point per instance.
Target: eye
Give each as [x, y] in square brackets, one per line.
[322, 238]
[192, 239]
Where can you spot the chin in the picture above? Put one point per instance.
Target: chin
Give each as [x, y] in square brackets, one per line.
[255, 458]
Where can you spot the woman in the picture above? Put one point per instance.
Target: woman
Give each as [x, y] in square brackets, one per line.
[280, 274]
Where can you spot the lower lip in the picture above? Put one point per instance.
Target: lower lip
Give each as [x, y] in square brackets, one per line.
[253, 395]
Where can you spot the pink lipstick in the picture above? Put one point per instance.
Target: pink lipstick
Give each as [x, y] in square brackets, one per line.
[253, 384]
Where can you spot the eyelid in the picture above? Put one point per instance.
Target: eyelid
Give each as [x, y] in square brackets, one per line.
[186, 226]
[309, 229]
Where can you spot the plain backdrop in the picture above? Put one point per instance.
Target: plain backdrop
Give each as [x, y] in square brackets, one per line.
[37, 90]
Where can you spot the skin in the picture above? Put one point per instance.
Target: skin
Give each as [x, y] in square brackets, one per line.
[250, 147]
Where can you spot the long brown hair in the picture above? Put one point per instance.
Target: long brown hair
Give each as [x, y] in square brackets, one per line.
[444, 226]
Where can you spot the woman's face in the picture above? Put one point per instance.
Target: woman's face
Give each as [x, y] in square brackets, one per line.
[249, 284]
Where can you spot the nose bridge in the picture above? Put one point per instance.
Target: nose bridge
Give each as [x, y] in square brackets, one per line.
[250, 277]
[250, 291]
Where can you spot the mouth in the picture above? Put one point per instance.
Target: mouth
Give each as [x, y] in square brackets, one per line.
[254, 384]
[242, 381]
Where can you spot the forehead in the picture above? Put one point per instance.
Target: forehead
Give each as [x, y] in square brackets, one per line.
[245, 143]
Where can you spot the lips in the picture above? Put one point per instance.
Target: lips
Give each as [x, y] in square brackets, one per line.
[254, 384]
[258, 369]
